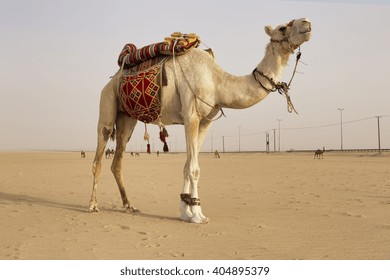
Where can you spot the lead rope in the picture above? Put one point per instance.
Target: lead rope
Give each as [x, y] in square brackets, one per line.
[283, 88]
[189, 85]
[295, 67]
[199, 98]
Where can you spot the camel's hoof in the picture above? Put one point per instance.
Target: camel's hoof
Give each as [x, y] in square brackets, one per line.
[199, 220]
[186, 214]
[197, 215]
[93, 209]
[185, 217]
[131, 209]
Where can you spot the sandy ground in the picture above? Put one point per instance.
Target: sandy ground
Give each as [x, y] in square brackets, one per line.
[277, 206]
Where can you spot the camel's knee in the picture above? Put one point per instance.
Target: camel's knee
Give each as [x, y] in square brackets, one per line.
[107, 133]
[96, 167]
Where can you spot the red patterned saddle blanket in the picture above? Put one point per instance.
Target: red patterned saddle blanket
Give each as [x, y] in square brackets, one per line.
[139, 91]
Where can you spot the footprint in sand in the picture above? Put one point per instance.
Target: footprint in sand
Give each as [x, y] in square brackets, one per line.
[148, 244]
[261, 226]
[145, 234]
[211, 234]
[162, 236]
[14, 252]
[350, 215]
[314, 195]
[116, 227]
[178, 254]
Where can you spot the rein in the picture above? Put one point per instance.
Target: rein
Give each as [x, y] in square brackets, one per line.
[193, 92]
[291, 45]
[281, 87]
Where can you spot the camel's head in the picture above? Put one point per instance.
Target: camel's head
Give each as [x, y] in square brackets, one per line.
[292, 34]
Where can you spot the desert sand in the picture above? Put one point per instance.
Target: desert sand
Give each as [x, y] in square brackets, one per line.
[278, 206]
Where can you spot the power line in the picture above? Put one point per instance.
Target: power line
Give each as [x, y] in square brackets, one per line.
[302, 128]
[329, 125]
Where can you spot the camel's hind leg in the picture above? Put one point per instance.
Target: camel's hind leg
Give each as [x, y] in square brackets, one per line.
[107, 117]
[125, 126]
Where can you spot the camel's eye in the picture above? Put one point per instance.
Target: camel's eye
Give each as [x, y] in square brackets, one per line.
[282, 29]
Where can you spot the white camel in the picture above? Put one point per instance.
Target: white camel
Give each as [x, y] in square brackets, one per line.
[197, 89]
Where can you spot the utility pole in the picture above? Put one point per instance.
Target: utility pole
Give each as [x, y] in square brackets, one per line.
[211, 150]
[341, 126]
[379, 134]
[239, 138]
[223, 144]
[267, 142]
[274, 139]
[279, 135]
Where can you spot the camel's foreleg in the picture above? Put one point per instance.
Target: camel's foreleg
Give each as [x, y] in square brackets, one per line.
[204, 125]
[185, 207]
[190, 204]
[125, 126]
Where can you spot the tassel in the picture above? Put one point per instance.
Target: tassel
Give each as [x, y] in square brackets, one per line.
[165, 149]
[162, 136]
[165, 132]
[146, 138]
[148, 148]
[146, 135]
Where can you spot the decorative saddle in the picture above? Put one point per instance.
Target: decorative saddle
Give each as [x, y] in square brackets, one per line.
[140, 85]
[177, 44]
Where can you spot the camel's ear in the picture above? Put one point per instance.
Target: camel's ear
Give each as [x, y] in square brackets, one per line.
[268, 29]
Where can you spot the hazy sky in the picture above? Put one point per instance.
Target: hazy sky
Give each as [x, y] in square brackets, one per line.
[56, 56]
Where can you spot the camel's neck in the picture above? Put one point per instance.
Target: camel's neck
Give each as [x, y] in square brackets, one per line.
[243, 92]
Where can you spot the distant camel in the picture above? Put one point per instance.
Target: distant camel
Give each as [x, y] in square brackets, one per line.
[109, 153]
[82, 154]
[319, 153]
[216, 154]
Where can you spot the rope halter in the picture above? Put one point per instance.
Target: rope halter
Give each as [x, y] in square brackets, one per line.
[291, 47]
[281, 87]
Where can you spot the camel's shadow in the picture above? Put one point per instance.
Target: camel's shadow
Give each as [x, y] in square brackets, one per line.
[158, 217]
[31, 200]
[21, 198]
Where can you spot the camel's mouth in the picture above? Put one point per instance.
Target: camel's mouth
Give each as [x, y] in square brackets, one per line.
[306, 31]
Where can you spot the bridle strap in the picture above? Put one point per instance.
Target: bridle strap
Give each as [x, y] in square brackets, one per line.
[281, 87]
[291, 45]
[270, 80]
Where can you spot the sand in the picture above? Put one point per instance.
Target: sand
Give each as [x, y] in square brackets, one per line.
[279, 206]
